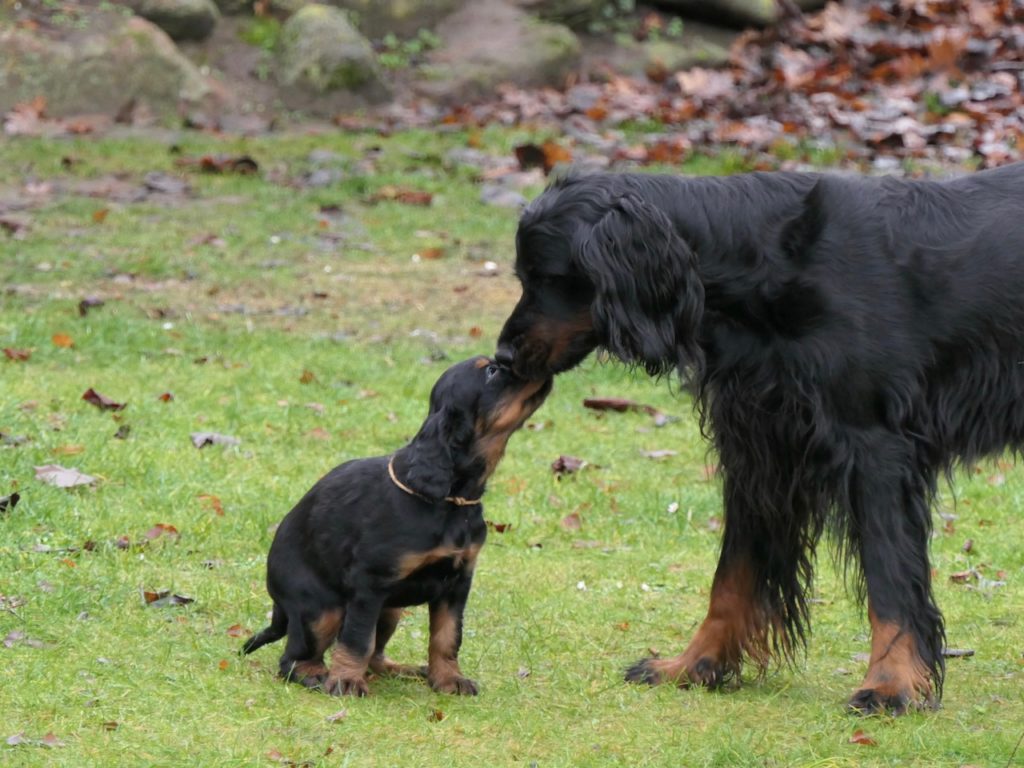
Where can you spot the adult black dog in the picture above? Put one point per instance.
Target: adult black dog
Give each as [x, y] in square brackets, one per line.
[847, 339]
[376, 535]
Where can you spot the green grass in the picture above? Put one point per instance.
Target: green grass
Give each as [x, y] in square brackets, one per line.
[230, 328]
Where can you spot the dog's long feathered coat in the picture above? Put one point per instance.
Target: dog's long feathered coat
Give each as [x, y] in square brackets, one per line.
[848, 340]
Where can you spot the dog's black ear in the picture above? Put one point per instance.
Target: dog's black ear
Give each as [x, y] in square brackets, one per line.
[649, 297]
[433, 454]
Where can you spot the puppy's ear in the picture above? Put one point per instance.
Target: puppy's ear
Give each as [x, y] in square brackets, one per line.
[435, 450]
[649, 297]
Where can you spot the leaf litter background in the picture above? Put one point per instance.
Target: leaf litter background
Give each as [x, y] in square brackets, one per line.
[872, 83]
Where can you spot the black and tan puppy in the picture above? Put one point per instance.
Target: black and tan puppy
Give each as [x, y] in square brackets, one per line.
[376, 535]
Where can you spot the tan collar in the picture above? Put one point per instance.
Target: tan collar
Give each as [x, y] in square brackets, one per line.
[458, 501]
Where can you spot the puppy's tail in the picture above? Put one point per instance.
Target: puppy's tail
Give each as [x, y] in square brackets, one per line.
[278, 628]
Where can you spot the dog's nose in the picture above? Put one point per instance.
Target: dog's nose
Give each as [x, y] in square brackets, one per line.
[504, 355]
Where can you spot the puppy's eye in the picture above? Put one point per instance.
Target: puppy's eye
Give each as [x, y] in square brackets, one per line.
[492, 371]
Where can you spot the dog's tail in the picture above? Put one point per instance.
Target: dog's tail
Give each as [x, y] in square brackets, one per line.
[278, 628]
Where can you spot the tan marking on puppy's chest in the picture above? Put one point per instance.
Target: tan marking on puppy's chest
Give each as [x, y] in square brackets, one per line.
[409, 563]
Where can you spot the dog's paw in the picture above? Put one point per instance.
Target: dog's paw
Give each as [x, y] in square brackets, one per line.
[305, 673]
[344, 686]
[643, 671]
[385, 666]
[705, 672]
[460, 686]
[879, 701]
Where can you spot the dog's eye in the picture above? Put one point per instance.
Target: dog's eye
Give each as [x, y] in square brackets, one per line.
[492, 371]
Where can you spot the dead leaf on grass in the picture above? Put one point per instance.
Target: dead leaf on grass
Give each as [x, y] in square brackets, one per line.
[62, 340]
[202, 439]
[14, 225]
[319, 433]
[18, 355]
[401, 195]
[659, 454]
[163, 598]
[240, 164]
[567, 465]
[859, 737]
[572, 522]
[18, 637]
[212, 502]
[88, 303]
[62, 477]
[499, 527]
[621, 405]
[102, 402]
[8, 503]
[545, 156]
[957, 653]
[162, 529]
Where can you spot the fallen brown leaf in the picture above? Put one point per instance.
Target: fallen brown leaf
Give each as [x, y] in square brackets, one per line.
[102, 402]
[212, 502]
[567, 465]
[572, 522]
[859, 737]
[401, 195]
[162, 529]
[19, 355]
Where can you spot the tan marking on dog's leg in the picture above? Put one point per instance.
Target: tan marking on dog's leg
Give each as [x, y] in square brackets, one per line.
[734, 626]
[347, 675]
[897, 678]
[443, 671]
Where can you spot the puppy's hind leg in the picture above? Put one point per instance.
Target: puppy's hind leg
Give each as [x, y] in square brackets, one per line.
[381, 664]
[356, 644]
[308, 638]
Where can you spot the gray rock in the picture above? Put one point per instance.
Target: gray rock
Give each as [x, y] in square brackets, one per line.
[759, 13]
[573, 13]
[700, 45]
[234, 7]
[322, 53]
[488, 43]
[112, 62]
[376, 18]
[181, 19]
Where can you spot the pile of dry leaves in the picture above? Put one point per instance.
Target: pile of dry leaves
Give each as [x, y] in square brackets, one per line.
[875, 81]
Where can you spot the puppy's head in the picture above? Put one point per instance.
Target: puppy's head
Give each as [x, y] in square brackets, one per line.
[475, 407]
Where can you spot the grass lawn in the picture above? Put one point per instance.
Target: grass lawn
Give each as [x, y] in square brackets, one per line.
[309, 322]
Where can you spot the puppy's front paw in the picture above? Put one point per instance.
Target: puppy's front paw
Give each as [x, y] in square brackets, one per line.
[347, 686]
[460, 686]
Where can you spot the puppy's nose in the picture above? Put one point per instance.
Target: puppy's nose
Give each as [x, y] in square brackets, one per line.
[504, 355]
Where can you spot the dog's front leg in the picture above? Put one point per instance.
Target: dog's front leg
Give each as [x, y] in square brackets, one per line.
[443, 671]
[351, 655]
[738, 620]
